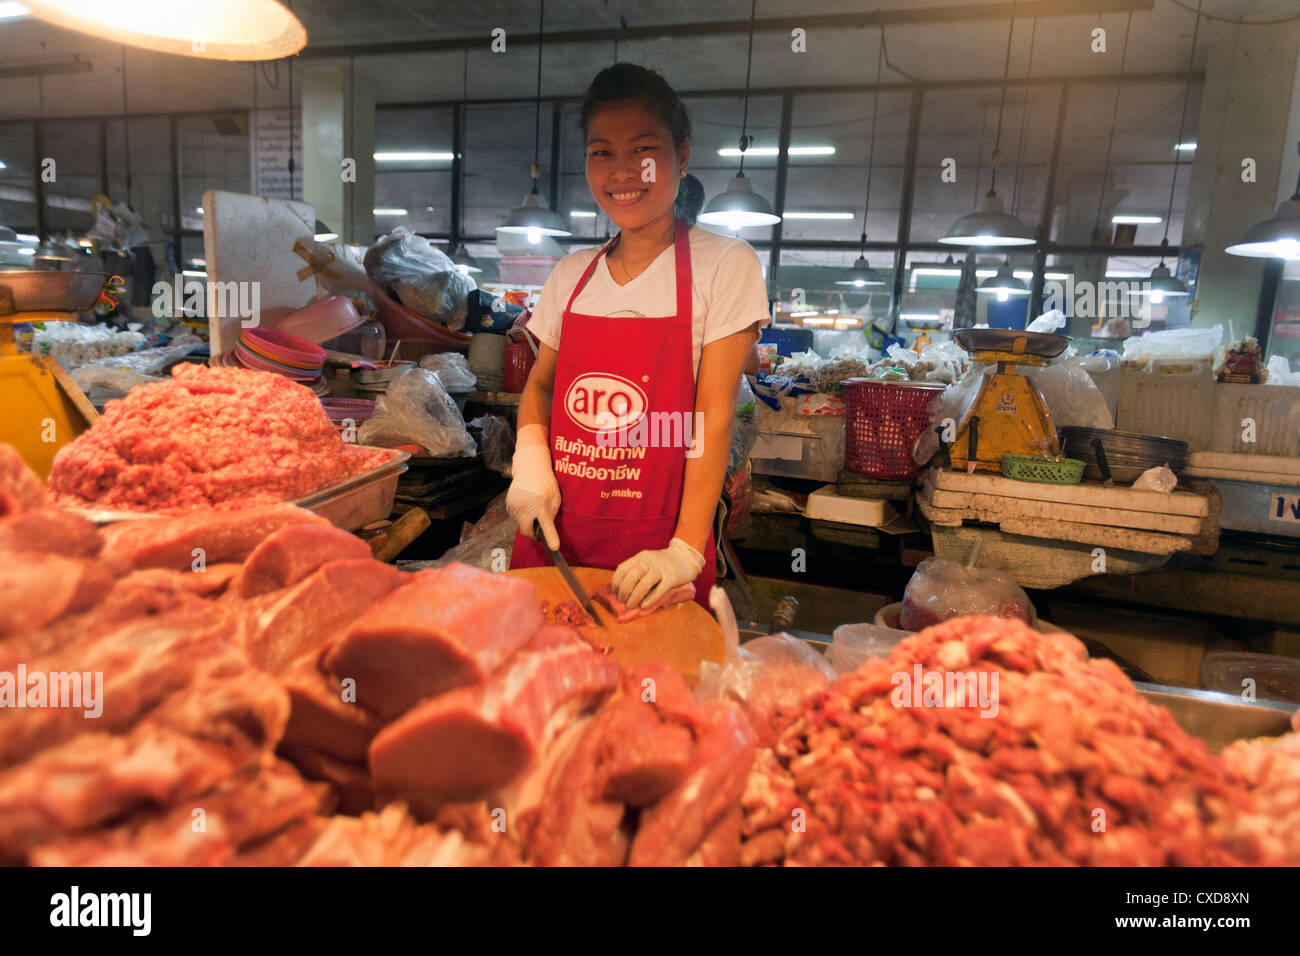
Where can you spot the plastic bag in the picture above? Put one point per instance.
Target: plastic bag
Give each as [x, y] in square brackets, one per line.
[942, 589]
[1161, 479]
[416, 408]
[1186, 344]
[1279, 372]
[453, 369]
[423, 278]
[1072, 397]
[112, 381]
[486, 544]
[851, 644]
[1048, 322]
[498, 442]
[770, 678]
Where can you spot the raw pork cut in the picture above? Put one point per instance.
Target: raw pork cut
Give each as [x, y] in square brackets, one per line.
[250, 805]
[648, 736]
[320, 718]
[679, 825]
[474, 739]
[20, 487]
[142, 662]
[218, 535]
[607, 596]
[445, 628]
[285, 625]
[51, 530]
[37, 588]
[290, 554]
[192, 741]
[209, 437]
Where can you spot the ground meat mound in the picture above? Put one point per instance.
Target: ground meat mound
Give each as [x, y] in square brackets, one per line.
[209, 437]
[1072, 766]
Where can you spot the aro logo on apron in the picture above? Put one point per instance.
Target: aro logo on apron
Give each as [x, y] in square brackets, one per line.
[598, 401]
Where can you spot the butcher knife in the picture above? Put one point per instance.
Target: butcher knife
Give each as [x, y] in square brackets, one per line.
[567, 573]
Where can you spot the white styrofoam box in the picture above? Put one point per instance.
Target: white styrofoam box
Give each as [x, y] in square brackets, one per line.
[825, 505]
[1262, 508]
[1174, 406]
[1274, 409]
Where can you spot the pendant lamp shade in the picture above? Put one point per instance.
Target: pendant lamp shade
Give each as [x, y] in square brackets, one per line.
[989, 225]
[464, 261]
[739, 207]
[1162, 285]
[208, 29]
[861, 275]
[1003, 284]
[1276, 238]
[534, 218]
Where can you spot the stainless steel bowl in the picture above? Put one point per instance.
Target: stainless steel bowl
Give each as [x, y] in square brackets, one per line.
[36, 290]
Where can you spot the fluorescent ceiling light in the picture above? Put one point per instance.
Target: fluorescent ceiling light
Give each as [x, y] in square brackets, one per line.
[732, 151]
[936, 271]
[1186, 147]
[413, 157]
[389, 212]
[192, 272]
[209, 29]
[325, 236]
[12, 10]
[1123, 274]
[800, 315]
[1058, 276]
[26, 251]
[819, 215]
[2, 164]
[1135, 220]
[920, 316]
[27, 237]
[582, 213]
[199, 210]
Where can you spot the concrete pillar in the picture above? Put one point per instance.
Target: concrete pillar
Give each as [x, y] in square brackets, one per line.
[1077, 219]
[338, 123]
[1246, 106]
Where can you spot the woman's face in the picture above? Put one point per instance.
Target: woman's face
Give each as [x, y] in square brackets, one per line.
[633, 168]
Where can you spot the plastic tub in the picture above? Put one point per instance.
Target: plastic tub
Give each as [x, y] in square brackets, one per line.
[323, 320]
[887, 616]
[283, 349]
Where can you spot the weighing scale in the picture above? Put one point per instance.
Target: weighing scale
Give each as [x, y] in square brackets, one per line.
[43, 408]
[1008, 415]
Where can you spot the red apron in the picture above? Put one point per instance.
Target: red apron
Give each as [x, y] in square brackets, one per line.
[618, 498]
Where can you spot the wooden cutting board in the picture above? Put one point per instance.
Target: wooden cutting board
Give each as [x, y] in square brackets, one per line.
[683, 635]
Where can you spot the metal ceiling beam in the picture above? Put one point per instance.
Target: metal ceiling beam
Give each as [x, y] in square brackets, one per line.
[908, 16]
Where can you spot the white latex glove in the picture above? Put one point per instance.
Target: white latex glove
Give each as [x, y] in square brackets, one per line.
[534, 494]
[648, 575]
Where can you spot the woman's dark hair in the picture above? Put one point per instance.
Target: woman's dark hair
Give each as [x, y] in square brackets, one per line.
[627, 81]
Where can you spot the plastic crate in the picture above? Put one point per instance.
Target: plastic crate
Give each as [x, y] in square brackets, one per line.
[1275, 410]
[882, 421]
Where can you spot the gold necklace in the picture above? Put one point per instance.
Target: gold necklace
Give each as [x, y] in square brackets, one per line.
[627, 276]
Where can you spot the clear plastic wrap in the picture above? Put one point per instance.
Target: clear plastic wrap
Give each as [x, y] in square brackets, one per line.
[453, 369]
[422, 276]
[119, 374]
[942, 589]
[416, 408]
[1279, 372]
[770, 678]
[1184, 344]
[851, 644]
[498, 440]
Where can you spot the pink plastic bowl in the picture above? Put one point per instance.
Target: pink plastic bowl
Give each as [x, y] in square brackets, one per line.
[324, 320]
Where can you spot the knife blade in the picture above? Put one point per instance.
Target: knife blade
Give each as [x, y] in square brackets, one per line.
[569, 577]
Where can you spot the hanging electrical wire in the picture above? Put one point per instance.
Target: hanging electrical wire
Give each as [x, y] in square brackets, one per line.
[1110, 142]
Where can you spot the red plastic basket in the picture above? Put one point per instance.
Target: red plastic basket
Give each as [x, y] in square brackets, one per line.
[881, 423]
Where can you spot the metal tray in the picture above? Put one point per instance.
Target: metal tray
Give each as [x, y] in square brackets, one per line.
[1046, 344]
[1219, 719]
[348, 504]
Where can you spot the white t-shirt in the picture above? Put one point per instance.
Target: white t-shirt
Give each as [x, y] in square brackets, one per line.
[728, 294]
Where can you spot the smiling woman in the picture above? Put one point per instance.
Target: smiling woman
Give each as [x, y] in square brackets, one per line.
[668, 308]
